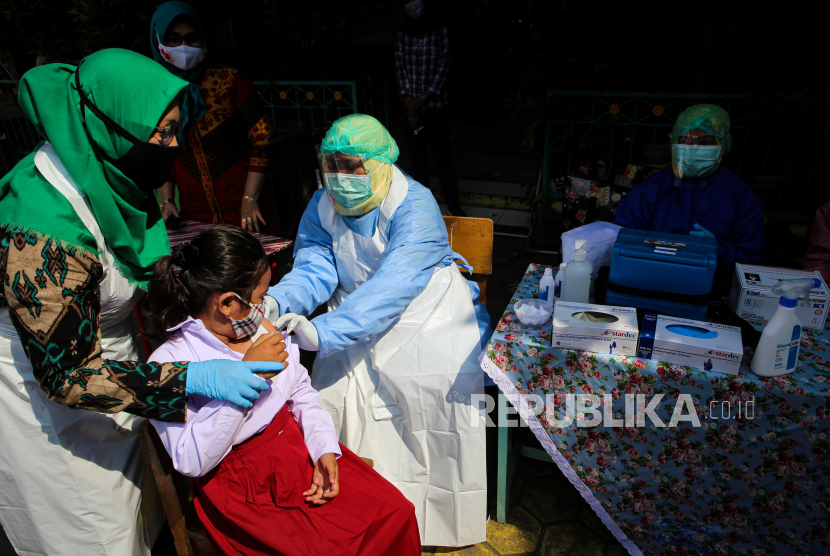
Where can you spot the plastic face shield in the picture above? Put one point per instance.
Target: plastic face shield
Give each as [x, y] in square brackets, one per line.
[346, 178]
[702, 139]
[341, 163]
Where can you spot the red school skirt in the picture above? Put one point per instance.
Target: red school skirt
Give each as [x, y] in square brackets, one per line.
[252, 503]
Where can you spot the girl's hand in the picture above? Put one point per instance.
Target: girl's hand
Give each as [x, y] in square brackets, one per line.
[168, 209]
[251, 217]
[268, 347]
[325, 484]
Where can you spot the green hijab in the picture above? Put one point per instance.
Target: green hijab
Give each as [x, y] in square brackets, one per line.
[132, 90]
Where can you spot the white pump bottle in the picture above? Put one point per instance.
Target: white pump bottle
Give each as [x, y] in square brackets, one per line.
[577, 285]
[777, 351]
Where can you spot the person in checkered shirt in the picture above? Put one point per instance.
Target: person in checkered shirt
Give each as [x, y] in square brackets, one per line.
[422, 64]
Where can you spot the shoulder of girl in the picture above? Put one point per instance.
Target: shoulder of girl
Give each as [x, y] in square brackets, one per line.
[161, 355]
[170, 350]
[266, 324]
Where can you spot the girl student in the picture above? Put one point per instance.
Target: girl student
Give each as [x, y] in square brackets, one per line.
[265, 480]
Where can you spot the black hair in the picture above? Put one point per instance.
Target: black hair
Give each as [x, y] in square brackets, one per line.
[219, 259]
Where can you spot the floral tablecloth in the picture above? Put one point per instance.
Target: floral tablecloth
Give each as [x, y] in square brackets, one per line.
[751, 480]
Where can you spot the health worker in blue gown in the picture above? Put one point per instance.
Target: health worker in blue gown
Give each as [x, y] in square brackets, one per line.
[697, 195]
[397, 366]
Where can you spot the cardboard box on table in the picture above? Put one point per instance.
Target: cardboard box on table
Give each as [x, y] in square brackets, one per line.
[711, 347]
[571, 331]
[752, 298]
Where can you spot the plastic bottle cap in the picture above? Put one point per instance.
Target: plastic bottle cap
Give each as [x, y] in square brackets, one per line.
[788, 302]
[580, 254]
[563, 265]
[548, 272]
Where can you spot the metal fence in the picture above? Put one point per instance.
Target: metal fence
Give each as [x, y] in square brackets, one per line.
[308, 105]
[311, 105]
[779, 159]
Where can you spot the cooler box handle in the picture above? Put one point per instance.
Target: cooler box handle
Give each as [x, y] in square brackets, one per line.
[658, 256]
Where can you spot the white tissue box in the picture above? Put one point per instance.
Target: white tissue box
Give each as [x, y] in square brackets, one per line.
[752, 298]
[718, 347]
[596, 328]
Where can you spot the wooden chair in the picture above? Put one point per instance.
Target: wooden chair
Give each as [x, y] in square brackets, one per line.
[189, 535]
[472, 238]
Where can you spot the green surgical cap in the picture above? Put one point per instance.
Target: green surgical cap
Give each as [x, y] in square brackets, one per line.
[710, 118]
[359, 134]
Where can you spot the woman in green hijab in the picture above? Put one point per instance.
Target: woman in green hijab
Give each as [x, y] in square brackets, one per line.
[79, 234]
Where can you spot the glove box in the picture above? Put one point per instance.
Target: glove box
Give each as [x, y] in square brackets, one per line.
[665, 273]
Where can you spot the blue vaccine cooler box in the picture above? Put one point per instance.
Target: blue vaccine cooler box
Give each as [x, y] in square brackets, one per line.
[665, 273]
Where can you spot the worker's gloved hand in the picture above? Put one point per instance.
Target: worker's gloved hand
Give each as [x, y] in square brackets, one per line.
[271, 308]
[230, 381]
[700, 231]
[303, 328]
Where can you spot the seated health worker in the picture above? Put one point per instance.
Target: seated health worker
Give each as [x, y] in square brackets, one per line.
[266, 480]
[697, 195]
[398, 349]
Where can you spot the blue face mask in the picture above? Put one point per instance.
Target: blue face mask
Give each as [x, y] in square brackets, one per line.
[695, 161]
[348, 190]
[415, 8]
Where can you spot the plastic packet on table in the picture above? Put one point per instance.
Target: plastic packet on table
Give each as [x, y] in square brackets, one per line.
[534, 312]
[600, 238]
[594, 316]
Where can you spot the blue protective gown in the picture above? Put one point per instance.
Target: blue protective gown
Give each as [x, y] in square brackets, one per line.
[417, 244]
[721, 202]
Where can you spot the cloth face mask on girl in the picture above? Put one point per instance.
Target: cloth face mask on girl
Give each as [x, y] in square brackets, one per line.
[249, 325]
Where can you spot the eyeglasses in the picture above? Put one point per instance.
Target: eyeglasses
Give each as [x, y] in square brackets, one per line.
[169, 131]
[191, 39]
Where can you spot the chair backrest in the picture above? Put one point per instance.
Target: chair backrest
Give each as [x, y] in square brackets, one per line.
[189, 535]
[472, 238]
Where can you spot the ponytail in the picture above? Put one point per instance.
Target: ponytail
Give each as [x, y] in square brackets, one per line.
[218, 260]
[167, 300]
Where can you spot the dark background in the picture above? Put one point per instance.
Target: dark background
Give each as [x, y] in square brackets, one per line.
[506, 53]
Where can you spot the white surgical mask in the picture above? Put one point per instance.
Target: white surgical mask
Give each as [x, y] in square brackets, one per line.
[183, 57]
[415, 9]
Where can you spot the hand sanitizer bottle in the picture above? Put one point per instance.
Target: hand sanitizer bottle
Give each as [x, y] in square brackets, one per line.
[559, 282]
[777, 351]
[578, 276]
[546, 286]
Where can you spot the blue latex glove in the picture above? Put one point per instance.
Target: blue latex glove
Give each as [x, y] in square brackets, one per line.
[700, 231]
[230, 381]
